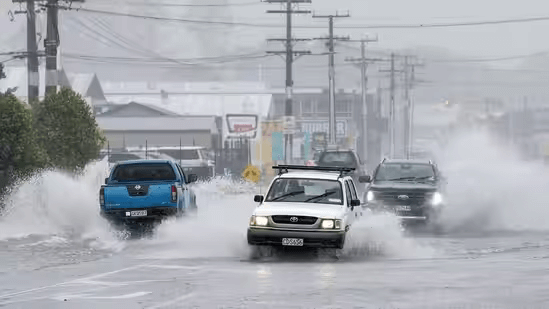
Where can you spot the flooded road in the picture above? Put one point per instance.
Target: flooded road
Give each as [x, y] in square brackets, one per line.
[57, 253]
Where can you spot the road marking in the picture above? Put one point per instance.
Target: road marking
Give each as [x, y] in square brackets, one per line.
[100, 275]
[171, 302]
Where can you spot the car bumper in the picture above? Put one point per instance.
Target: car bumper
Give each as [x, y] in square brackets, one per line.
[153, 213]
[420, 213]
[318, 239]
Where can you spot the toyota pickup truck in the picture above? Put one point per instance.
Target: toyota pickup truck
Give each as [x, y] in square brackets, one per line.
[146, 190]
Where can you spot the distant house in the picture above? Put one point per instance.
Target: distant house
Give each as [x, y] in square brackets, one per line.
[140, 125]
[87, 85]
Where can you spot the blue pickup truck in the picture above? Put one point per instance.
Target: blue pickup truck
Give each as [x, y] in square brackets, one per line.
[146, 191]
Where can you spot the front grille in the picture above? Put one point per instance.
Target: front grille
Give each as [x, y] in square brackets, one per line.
[403, 197]
[303, 220]
[141, 190]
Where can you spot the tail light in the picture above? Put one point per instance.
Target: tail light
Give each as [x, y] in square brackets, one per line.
[102, 197]
[174, 194]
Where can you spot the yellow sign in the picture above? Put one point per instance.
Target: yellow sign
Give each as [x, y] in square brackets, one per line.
[251, 173]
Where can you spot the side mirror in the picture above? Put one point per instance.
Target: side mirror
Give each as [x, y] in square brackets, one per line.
[355, 203]
[192, 178]
[258, 198]
[107, 180]
[364, 179]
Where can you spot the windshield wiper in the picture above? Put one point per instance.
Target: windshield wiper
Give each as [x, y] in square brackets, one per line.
[286, 195]
[403, 178]
[319, 196]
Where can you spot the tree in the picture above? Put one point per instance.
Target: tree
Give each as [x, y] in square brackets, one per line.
[2, 74]
[20, 151]
[67, 130]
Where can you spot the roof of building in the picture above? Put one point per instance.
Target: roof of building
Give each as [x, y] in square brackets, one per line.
[205, 123]
[120, 107]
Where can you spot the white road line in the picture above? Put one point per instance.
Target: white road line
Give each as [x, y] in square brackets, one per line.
[171, 302]
[69, 282]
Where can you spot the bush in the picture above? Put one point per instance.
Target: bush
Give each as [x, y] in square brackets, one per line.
[67, 130]
[17, 138]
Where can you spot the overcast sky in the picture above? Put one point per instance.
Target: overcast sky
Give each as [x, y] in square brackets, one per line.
[472, 41]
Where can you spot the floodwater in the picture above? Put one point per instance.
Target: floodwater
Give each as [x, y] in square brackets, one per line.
[493, 252]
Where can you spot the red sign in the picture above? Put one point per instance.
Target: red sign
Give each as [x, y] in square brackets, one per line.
[243, 128]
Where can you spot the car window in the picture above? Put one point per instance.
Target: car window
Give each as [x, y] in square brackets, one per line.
[117, 157]
[353, 189]
[182, 173]
[349, 194]
[144, 172]
[395, 171]
[181, 154]
[300, 190]
[337, 158]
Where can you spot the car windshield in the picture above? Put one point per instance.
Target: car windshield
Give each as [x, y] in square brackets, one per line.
[343, 159]
[183, 154]
[143, 172]
[117, 157]
[404, 171]
[306, 191]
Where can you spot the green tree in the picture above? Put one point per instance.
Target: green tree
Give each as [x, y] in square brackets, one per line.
[67, 130]
[17, 137]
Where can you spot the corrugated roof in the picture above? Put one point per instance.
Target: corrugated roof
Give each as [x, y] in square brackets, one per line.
[111, 88]
[119, 107]
[215, 104]
[204, 123]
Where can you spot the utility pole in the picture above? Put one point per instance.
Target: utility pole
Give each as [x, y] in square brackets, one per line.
[50, 44]
[331, 63]
[366, 108]
[409, 81]
[289, 52]
[33, 78]
[392, 118]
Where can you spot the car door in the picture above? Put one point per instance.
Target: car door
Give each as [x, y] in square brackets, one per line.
[350, 211]
[356, 211]
[356, 195]
[186, 192]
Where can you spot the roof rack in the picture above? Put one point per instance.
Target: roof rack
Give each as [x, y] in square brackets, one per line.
[284, 169]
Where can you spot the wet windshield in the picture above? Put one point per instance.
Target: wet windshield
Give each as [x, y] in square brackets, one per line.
[183, 154]
[306, 191]
[394, 171]
[345, 159]
[141, 172]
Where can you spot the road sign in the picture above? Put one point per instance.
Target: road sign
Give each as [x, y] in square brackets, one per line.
[288, 123]
[252, 173]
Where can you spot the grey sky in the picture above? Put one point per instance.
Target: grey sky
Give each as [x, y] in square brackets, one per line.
[475, 41]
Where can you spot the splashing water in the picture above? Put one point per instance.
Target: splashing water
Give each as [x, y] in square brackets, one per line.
[381, 234]
[491, 189]
[58, 204]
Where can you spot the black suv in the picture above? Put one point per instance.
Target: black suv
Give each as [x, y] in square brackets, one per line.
[411, 189]
[343, 158]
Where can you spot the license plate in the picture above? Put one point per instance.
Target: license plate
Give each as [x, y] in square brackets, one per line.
[296, 242]
[403, 208]
[137, 213]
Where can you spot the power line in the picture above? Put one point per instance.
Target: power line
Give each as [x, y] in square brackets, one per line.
[187, 4]
[372, 26]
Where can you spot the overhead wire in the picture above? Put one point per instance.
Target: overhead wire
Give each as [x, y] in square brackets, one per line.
[264, 25]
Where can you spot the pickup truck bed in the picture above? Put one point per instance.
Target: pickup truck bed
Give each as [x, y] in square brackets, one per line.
[146, 190]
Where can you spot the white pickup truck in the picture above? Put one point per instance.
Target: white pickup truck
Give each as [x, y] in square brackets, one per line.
[306, 206]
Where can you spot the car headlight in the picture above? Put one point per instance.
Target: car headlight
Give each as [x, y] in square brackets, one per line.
[259, 221]
[330, 224]
[370, 196]
[437, 199]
